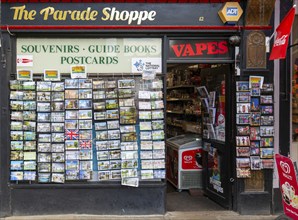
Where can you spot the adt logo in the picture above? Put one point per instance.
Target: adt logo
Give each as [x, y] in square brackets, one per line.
[232, 11]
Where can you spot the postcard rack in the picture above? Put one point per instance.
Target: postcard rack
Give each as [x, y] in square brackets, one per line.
[87, 130]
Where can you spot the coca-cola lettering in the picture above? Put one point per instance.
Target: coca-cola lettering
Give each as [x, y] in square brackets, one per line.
[200, 49]
[280, 41]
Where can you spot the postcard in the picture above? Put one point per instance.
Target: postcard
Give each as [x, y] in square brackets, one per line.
[254, 150]
[85, 114]
[158, 135]
[243, 172]
[71, 83]
[58, 178]
[147, 164]
[242, 162]
[16, 95]
[16, 176]
[31, 95]
[51, 75]
[266, 109]
[113, 144]
[85, 144]
[71, 164]
[103, 175]
[148, 75]
[29, 165]
[58, 86]
[243, 97]
[27, 116]
[110, 84]
[267, 131]
[78, 71]
[85, 124]
[111, 114]
[157, 84]
[242, 141]
[243, 107]
[85, 154]
[255, 119]
[71, 94]
[157, 114]
[158, 145]
[24, 75]
[86, 165]
[145, 155]
[267, 163]
[255, 163]
[267, 87]
[129, 173]
[267, 120]
[29, 136]
[255, 91]
[43, 127]
[243, 130]
[71, 124]
[58, 167]
[129, 146]
[126, 93]
[43, 86]
[111, 94]
[267, 153]
[71, 104]
[57, 106]
[29, 145]
[145, 125]
[159, 104]
[267, 142]
[256, 81]
[28, 85]
[100, 125]
[44, 117]
[242, 151]
[111, 103]
[266, 99]
[58, 148]
[72, 175]
[57, 137]
[115, 164]
[129, 137]
[242, 86]
[127, 128]
[44, 157]
[71, 114]
[103, 155]
[146, 145]
[101, 145]
[16, 125]
[30, 175]
[147, 174]
[16, 145]
[113, 134]
[144, 95]
[102, 115]
[85, 134]
[129, 102]
[144, 105]
[126, 83]
[44, 177]
[101, 135]
[44, 147]
[113, 124]
[255, 104]
[98, 84]
[115, 154]
[16, 135]
[103, 165]
[15, 85]
[85, 175]
[129, 155]
[99, 95]
[16, 165]
[29, 105]
[58, 157]
[254, 133]
[57, 117]
[85, 104]
[71, 144]
[85, 83]
[16, 155]
[16, 105]
[72, 155]
[44, 106]
[115, 174]
[44, 96]
[85, 94]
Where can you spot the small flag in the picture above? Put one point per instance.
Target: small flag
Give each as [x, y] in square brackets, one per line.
[71, 134]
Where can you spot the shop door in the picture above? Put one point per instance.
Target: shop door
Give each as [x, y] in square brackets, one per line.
[217, 110]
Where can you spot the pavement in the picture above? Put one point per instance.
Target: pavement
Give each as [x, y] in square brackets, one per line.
[198, 215]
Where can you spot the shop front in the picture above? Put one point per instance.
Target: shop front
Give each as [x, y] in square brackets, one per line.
[91, 93]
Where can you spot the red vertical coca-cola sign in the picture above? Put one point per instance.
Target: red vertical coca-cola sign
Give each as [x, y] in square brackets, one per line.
[288, 185]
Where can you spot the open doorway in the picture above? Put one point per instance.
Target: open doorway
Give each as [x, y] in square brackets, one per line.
[198, 121]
